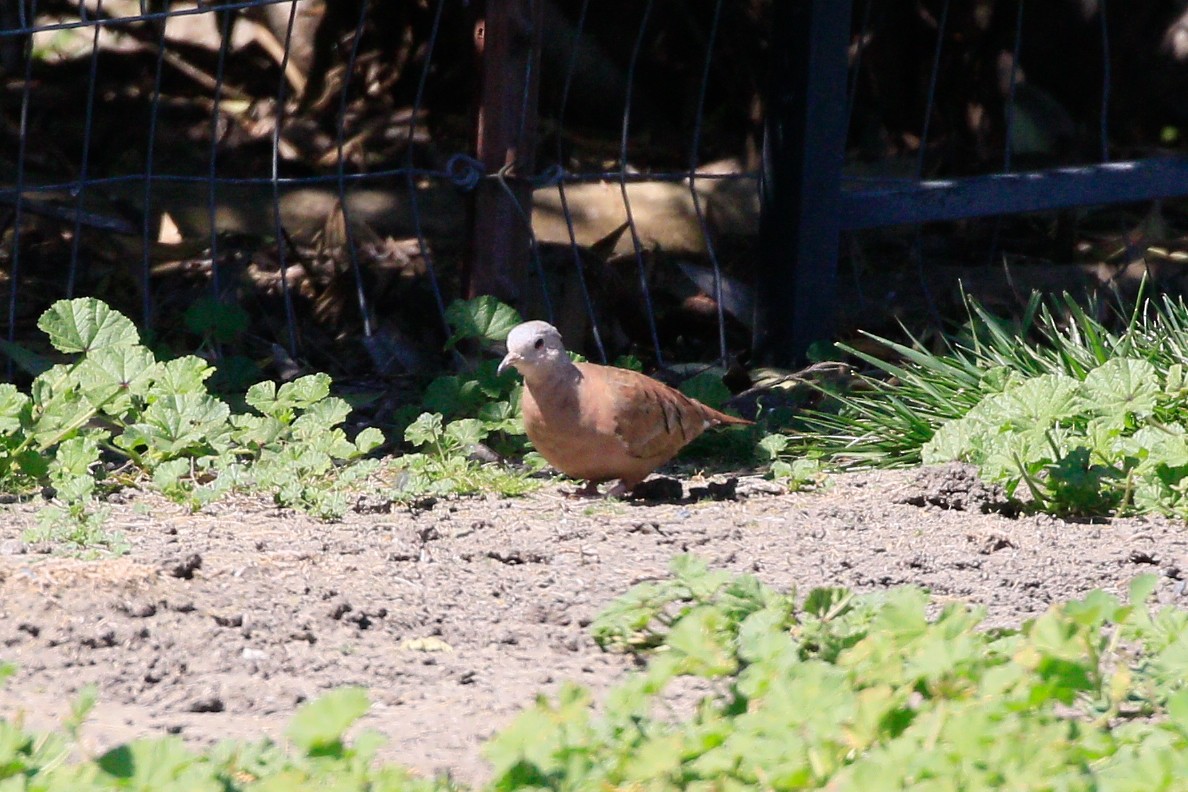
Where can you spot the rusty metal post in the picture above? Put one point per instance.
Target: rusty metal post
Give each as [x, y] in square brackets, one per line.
[508, 42]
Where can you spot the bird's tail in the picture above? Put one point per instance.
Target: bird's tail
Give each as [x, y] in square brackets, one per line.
[722, 419]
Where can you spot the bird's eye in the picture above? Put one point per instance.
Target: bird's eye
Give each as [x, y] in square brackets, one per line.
[539, 343]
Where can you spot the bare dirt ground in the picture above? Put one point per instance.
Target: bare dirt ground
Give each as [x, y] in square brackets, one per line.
[219, 624]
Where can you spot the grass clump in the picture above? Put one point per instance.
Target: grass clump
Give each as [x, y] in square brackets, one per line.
[1078, 417]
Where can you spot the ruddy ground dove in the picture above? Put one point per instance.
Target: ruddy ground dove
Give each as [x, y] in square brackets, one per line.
[600, 423]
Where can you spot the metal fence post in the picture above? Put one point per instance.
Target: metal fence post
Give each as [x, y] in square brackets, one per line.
[803, 153]
[508, 40]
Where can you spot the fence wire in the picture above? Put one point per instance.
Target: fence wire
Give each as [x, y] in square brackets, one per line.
[171, 113]
[966, 120]
[319, 165]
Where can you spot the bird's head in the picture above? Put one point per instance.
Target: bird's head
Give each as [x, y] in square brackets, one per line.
[531, 346]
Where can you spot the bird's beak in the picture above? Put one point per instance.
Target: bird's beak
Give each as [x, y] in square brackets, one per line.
[510, 359]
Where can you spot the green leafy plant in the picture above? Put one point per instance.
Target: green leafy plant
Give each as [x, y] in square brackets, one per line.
[320, 757]
[115, 415]
[1078, 417]
[482, 318]
[885, 419]
[480, 393]
[798, 473]
[444, 465]
[845, 691]
[1114, 441]
[462, 414]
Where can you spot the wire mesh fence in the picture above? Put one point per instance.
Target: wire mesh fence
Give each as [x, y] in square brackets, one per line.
[966, 119]
[314, 180]
[309, 179]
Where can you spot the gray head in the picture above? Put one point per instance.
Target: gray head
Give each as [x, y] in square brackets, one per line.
[531, 345]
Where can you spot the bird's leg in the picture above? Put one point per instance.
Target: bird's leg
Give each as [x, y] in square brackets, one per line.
[620, 490]
[624, 489]
[589, 490]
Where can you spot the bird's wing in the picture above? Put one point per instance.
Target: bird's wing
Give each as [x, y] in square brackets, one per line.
[652, 419]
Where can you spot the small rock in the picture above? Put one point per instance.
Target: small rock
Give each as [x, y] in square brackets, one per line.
[103, 640]
[403, 551]
[372, 504]
[208, 703]
[752, 486]
[991, 542]
[140, 610]
[1142, 557]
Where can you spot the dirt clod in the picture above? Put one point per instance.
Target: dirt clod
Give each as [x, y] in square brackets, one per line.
[956, 487]
[660, 489]
[183, 568]
[715, 490]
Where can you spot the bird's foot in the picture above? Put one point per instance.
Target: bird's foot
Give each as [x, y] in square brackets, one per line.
[590, 490]
[620, 491]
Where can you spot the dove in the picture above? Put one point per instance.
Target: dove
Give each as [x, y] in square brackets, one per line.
[600, 423]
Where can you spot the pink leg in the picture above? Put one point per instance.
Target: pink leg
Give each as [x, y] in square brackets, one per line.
[589, 490]
[618, 491]
[624, 488]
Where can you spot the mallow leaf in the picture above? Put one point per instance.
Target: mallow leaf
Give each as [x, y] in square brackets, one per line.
[484, 318]
[1122, 387]
[85, 325]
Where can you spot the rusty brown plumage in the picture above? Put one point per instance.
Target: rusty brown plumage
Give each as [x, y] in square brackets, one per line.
[601, 423]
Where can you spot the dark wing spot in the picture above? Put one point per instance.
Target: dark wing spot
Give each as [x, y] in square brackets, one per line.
[663, 413]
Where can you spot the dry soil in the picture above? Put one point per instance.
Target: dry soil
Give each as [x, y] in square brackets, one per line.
[454, 617]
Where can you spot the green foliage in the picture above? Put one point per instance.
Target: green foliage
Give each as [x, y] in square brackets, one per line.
[215, 320]
[321, 758]
[1115, 441]
[798, 473]
[115, 414]
[319, 725]
[707, 387]
[76, 523]
[835, 690]
[461, 412]
[480, 393]
[444, 464]
[483, 318]
[1081, 418]
[844, 691]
